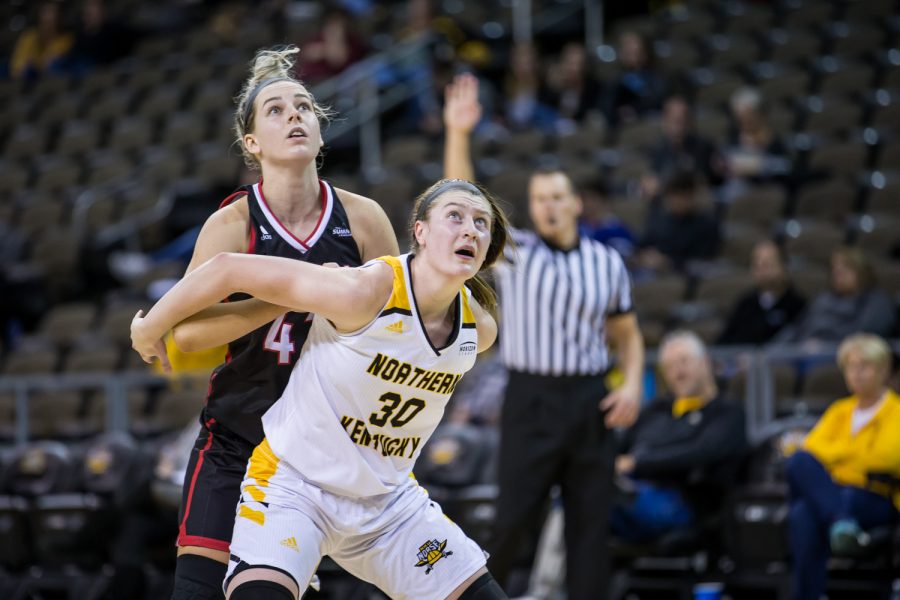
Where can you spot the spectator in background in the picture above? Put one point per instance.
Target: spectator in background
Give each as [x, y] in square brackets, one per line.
[573, 91]
[854, 303]
[335, 47]
[41, 48]
[755, 154]
[640, 88]
[679, 231]
[681, 148]
[427, 70]
[99, 40]
[833, 499]
[525, 94]
[684, 451]
[599, 221]
[771, 305]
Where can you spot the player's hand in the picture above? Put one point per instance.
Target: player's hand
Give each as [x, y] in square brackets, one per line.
[462, 111]
[148, 347]
[621, 406]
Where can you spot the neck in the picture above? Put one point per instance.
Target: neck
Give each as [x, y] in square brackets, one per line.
[291, 193]
[434, 293]
[867, 399]
[708, 391]
[775, 289]
[566, 239]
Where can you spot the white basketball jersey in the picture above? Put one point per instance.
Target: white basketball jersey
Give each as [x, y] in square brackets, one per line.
[359, 406]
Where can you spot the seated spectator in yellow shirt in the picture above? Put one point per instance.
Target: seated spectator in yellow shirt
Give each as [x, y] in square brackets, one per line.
[833, 501]
[42, 47]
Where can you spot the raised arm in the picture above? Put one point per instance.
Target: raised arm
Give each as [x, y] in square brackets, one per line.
[462, 112]
[349, 298]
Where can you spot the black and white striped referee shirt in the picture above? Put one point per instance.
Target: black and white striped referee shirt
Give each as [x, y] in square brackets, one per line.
[554, 305]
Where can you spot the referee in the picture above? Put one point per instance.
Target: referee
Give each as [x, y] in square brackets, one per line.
[562, 297]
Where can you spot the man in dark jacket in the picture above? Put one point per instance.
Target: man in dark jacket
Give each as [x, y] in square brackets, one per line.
[678, 229]
[774, 303]
[683, 450]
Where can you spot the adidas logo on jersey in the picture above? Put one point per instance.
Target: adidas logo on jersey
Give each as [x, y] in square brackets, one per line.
[265, 234]
[396, 327]
[341, 232]
[291, 543]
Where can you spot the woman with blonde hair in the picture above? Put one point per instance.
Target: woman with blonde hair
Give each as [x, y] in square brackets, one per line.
[833, 496]
[290, 213]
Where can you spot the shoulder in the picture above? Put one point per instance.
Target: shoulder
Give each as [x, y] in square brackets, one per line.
[522, 236]
[726, 405]
[358, 206]
[878, 296]
[234, 209]
[839, 408]
[371, 227]
[386, 272]
[601, 250]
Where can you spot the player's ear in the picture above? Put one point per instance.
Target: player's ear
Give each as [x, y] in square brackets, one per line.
[420, 231]
[250, 143]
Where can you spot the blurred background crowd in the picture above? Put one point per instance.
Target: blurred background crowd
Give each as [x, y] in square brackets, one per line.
[741, 156]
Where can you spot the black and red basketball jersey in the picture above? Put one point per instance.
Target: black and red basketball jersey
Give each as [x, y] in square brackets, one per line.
[258, 365]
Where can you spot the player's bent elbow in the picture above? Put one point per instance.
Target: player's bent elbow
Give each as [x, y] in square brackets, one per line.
[184, 338]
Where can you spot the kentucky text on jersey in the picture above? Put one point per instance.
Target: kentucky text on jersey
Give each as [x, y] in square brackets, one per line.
[387, 445]
[393, 370]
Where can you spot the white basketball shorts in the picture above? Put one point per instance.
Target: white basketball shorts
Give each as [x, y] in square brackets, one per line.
[400, 541]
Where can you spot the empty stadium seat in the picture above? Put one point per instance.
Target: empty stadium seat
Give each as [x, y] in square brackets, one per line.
[722, 291]
[830, 200]
[761, 206]
[66, 322]
[813, 240]
[654, 298]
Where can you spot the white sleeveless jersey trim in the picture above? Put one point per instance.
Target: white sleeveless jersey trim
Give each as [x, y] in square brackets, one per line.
[325, 191]
[360, 406]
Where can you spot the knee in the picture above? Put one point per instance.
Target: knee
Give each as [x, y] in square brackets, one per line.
[799, 463]
[483, 588]
[198, 578]
[261, 590]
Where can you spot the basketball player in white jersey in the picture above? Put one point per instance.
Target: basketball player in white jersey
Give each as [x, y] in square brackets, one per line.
[388, 344]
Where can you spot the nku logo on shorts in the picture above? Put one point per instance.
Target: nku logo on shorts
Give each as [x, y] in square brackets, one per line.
[430, 552]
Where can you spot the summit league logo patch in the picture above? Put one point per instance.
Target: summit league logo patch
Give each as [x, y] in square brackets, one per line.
[430, 552]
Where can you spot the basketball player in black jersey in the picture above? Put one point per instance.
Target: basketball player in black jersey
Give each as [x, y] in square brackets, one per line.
[289, 213]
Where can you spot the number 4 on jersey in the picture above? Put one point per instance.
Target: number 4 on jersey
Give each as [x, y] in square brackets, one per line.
[278, 339]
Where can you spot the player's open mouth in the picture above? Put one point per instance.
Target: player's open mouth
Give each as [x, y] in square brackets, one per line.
[297, 132]
[466, 252]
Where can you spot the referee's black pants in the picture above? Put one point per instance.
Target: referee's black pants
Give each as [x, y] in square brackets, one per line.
[552, 432]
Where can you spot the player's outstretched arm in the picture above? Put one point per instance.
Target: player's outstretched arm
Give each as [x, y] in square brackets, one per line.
[223, 323]
[224, 231]
[349, 298]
